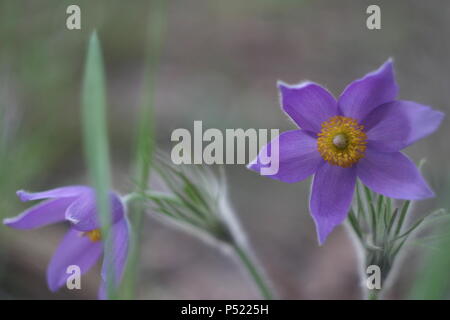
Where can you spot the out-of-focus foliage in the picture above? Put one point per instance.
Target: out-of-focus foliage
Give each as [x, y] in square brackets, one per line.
[220, 63]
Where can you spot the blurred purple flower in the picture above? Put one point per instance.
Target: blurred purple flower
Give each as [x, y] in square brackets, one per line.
[359, 135]
[81, 246]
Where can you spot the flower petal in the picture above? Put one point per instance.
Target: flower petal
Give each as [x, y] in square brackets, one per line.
[396, 125]
[393, 175]
[74, 250]
[82, 213]
[40, 215]
[298, 157]
[63, 192]
[331, 197]
[121, 238]
[308, 104]
[387, 128]
[422, 119]
[365, 94]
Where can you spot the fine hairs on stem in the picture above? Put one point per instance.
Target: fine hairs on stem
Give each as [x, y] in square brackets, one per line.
[381, 229]
[197, 202]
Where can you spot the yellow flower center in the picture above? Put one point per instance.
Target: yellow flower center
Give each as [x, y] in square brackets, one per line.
[93, 235]
[342, 141]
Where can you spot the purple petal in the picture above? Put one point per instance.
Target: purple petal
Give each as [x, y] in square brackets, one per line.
[393, 175]
[364, 95]
[387, 128]
[40, 215]
[423, 120]
[83, 211]
[308, 104]
[396, 125]
[298, 157]
[121, 237]
[331, 197]
[74, 249]
[63, 192]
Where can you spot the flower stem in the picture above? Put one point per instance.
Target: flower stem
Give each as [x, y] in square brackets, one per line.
[255, 272]
[144, 143]
[373, 294]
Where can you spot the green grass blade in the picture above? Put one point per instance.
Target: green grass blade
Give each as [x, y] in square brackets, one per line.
[96, 141]
[145, 137]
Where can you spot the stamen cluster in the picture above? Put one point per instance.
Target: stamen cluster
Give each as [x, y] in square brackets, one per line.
[342, 141]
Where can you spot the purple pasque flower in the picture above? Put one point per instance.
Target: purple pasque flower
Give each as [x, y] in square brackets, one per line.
[82, 245]
[359, 135]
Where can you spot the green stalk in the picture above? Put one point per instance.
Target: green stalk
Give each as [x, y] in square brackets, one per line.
[96, 145]
[144, 143]
[373, 294]
[254, 271]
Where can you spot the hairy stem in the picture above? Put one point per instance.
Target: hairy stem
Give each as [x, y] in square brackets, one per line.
[255, 272]
[373, 294]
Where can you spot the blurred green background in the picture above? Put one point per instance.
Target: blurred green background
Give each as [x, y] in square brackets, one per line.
[220, 63]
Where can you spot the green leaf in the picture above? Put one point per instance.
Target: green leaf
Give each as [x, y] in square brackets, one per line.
[411, 229]
[355, 225]
[380, 201]
[403, 213]
[167, 176]
[368, 194]
[361, 212]
[392, 221]
[96, 140]
[372, 213]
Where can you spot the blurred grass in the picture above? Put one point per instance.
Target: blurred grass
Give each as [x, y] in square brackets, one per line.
[433, 277]
[95, 134]
[433, 281]
[145, 140]
[220, 65]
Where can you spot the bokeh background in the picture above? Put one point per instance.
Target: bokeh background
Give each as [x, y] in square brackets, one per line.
[220, 62]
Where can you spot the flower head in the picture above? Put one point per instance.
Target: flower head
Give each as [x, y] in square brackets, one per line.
[358, 135]
[82, 245]
[196, 201]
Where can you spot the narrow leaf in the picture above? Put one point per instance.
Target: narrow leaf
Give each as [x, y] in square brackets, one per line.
[96, 140]
[402, 216]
